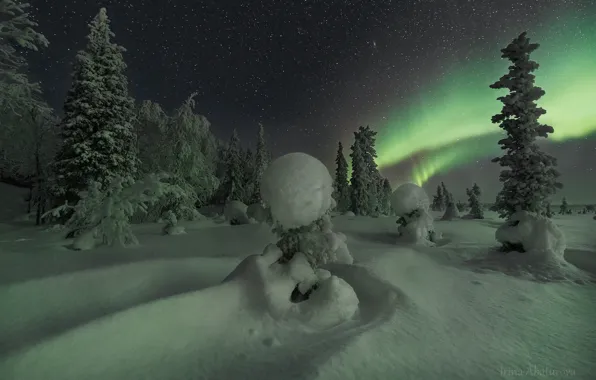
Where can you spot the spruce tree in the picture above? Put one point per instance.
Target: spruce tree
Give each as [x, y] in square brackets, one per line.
[529, 177]
[248, 169]
[234, 185]
[98, 140]
[17, 92]
[438, 201]
[261, 162]
[564, 209]
[341, 187]
[446, 195]
[385, 199]
[548, 212]
[476, 210]
[359, 196]
[369, 153]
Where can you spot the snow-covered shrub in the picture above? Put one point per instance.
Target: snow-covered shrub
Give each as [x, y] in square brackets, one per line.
[298, 189]
[103, 217]
[258, 212]
[451, 212]
[235, 213]
[171, 227]
[269, 283]
[349, 214]
[525, 231]
[411, 204]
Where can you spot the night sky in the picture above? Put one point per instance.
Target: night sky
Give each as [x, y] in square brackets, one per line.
[313, 71]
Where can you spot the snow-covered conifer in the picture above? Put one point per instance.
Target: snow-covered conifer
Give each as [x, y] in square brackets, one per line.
[17, 93]
[529, 177]
[359, 197]
[438, 203]
[341, 186]
[476, 211]
[261, 161]
[385, 198]
[151, 123]
[233, 187]
[248, 171]
[564, 209]
[548, 212]
[97, 131]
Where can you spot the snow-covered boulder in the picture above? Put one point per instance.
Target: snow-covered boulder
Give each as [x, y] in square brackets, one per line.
[235, 212]
[451, 212]
[297, 188]
[532, 233]
[257, 212]
[409, 197]
[349, 214]
[269, 284]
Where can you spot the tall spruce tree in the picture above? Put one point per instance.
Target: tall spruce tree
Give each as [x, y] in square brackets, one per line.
[342, 188]
[446, 195]
[385, 199]
[234, 185]
[98, 139]
[359, 196]
[564, 209]
[530, 177]
[261, 162]
[374, 185]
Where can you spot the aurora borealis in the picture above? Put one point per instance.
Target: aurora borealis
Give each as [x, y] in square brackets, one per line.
[450, 124]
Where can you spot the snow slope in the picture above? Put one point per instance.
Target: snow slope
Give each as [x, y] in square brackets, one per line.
[161, 311]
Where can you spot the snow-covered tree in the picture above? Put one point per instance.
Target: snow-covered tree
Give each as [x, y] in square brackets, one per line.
[17, 35]
[529, 178]
[385, 198]
[438, 202]
[248, 171]
[564, 209]
[368, 140]
[341, 186]
[262, 159]
[151, 122]
[98, 139]
[233, 185]
[447, 196]
[359, 196]
[186, 161]
[548, 212]
[476, 211]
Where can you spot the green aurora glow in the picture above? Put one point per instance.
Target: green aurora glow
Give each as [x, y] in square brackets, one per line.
[450, 117]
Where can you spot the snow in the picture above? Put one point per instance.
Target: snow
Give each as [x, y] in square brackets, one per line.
[257, 212]
[297, 187]
[409, 197]
[451, 212]
[162, 310]
[534, 232]
[235, 211]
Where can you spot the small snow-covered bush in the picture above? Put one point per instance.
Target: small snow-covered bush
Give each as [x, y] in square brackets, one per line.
[171, 227]
[411, 204]
[235, 213]
[102, 217]
[451, 212]
[298, 189]
[526, 231]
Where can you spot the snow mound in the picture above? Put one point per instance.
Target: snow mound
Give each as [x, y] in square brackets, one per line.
[451, 212]
[409, 197]
[257, 212]
[297, 188]
[271, 285]
[235, 212]
[349, 213]
[533, 233]
[173, 230]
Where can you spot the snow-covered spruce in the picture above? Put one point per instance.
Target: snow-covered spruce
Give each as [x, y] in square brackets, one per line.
[411, 205]
[451, 212]
[102, 216]
[171, 227]
[297, 188]
[258, 213]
